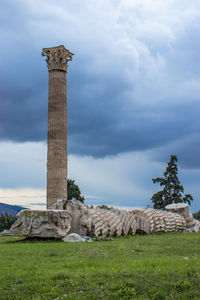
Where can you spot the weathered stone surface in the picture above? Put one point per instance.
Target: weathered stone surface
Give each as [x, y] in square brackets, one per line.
[179, 208]
[75, 237]
[195, 228]
[57, 61]
[183, 210]
[80, 217]
[161, 221]
[60, 204]
[76, 218]
[143, 224]
[41, 223]
[100, 222]
[57, 58]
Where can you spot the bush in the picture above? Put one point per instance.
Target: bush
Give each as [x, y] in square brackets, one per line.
[6, 221]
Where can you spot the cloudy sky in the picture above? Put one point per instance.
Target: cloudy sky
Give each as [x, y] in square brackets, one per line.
[133, 96]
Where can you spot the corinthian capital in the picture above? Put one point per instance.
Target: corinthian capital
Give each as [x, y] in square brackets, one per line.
[57, 57]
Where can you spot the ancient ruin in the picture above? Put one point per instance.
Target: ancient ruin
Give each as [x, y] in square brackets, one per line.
[161, 221]
[57, 62]
[42, 223]
[64, 219]
[95, 222]
[183, 210]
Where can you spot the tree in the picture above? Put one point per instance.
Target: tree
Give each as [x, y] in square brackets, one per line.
[6, 221]
[73, 191]
[196, 215]
[172, 189]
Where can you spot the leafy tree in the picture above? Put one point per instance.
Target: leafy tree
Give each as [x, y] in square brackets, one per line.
[6, 221]
[172, 189]
[73, 191]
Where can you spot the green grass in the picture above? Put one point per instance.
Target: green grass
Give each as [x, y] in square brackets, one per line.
[162, 266]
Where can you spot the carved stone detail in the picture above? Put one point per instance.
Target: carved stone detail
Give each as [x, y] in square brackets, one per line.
[100, 222]
[57, 57]
[161, 221]
[183, 210]
[40, 223]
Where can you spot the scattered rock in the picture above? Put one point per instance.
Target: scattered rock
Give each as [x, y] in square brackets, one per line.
[75, 237]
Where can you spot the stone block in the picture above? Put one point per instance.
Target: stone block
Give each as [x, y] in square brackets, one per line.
[41, 223]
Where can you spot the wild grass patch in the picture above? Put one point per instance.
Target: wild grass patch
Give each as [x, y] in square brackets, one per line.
[163, 266]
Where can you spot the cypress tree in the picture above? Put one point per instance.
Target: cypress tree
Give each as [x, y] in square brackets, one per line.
[172, 189]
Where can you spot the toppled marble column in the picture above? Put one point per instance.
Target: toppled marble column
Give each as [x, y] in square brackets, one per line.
[66, 217]
[183, 210]
[143, 224]
[100, 222]
[161, 221]
[111, 222]
[80, 217]
[41, 223]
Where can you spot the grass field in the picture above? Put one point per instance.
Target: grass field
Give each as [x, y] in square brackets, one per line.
[162, 266]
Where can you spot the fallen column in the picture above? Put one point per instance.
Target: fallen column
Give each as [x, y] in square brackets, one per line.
[183, 210]
[67, 217]
[161, 221]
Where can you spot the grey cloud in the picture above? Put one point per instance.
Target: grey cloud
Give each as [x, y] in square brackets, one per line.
[109, 112]
[186, 150]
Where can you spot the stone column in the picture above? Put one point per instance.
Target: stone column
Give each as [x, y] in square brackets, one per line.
[183, 210]
[57, 62]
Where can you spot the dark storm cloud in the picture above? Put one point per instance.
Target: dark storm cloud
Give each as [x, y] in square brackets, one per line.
[101, 123]
[23, 107]
[186, 150]
[109, 112]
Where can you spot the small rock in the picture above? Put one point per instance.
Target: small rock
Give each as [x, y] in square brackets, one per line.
[75, 237]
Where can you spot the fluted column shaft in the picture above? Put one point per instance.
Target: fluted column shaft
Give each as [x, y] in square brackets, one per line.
[57, 62]
[57, 137]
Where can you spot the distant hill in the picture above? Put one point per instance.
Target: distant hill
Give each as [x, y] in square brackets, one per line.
[10, 209]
